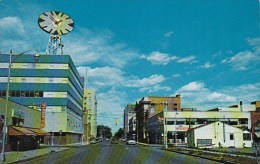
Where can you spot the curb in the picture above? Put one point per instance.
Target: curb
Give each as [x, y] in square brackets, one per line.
[30, 159]
[143, 144]
[216, 160]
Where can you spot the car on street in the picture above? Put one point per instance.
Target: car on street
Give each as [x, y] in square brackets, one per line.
[93, 142]
[131, 142]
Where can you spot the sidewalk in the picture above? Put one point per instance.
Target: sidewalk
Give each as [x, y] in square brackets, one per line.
[226, 157]
[13, 157]
[16, 157]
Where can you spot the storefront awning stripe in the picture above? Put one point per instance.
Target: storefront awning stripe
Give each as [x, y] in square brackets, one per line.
[39, 132]
[19, 131]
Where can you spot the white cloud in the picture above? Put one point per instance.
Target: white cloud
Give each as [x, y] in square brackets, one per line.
[207, 65]
[193, 86]
[245, 92]
[196, 94]
[220, 97]
[155, 88]
[189, 59]
[159, 58]
[11, 26]
[176, 75]
[168, 34]
[152, 80]
[87, 47]
[246, 59]
[103, 76]
[109, 76]
[110, 106]
[242, 60]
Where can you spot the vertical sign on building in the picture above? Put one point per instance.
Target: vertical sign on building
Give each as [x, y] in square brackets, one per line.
[43, 107]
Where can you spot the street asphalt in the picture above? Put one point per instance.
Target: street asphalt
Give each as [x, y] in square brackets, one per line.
[107, 153]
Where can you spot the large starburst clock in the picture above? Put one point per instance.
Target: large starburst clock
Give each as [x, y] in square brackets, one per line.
[56, 24]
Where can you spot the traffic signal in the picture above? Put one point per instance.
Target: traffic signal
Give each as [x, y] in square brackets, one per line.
[116, 121]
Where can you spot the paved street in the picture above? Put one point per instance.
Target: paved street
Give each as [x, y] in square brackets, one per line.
[117, 153]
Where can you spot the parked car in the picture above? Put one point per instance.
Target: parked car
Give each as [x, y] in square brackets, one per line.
[92, 142]
[131, 142]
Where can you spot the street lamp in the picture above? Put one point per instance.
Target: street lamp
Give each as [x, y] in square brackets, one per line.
[175, 130]
[4, 131]
[165, 133]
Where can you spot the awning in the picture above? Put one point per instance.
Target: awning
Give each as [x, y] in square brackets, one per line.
[39, 132]
[19, 131]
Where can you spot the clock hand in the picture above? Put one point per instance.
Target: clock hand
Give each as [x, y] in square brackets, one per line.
[53, 19]
[58, 22]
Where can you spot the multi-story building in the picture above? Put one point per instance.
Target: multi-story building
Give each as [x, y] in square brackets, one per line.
[150, 106]
[129, 112]
[52, 80]
[90, 109]
[255, 119]
[178, 123]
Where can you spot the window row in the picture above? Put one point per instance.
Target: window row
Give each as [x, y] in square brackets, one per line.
[207, 121]
[19, 93]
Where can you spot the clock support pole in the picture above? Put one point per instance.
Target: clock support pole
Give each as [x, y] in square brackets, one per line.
[54, 46]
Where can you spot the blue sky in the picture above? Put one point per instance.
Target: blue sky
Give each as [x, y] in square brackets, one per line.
[207, 51]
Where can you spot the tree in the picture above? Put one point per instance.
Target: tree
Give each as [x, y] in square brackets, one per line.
[104, 131]
[120, 133]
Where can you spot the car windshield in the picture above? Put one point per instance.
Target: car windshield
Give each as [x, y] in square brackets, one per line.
[129, 81]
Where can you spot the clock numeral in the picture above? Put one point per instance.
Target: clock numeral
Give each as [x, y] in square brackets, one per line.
[50, 31]
[44, 26]
[52, 12]
[45, 14]
[71, 25]
[67, 30]
[56, 12]
[62, 14]
[56, 32]
[40, 20]
[61, 32]
[68, 18]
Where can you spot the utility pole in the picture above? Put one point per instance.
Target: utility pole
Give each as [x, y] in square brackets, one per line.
[165, 106]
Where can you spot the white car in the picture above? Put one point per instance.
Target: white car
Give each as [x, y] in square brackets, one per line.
[131, 142]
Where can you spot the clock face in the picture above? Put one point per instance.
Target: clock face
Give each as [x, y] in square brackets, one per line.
[55, 23]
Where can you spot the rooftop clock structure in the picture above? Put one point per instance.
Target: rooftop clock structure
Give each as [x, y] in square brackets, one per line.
[56, 24]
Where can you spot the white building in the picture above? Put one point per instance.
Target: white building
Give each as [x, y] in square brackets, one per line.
[218, 134]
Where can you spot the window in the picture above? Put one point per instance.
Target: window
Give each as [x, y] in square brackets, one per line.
[170, 122]
[31, 93]
[203, 142]
[22, 93]
[231, 136]
[243, 121]
[246, 136]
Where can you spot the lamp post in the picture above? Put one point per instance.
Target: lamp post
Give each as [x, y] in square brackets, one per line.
[4, 131]
[175, 131]
[165, 124]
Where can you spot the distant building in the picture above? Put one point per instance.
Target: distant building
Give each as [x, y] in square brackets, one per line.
[90, 109]
[53, 80]
[152, 105]
[219, 134]
[129, 113]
